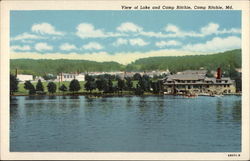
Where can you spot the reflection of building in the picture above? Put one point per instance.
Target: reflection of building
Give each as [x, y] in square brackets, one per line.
[197, 82]
[70, 76]
[24, 77]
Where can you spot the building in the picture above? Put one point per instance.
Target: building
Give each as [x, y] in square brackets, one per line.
[24, 77]
[196, 81]
[70, 76]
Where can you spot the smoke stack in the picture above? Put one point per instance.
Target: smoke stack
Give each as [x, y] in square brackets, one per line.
[218, 73]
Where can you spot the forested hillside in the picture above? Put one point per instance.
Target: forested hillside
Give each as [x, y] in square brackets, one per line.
[45, 66]
[228, 60]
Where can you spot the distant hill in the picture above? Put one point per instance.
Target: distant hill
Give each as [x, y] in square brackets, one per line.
[228, 60]
[42, 66]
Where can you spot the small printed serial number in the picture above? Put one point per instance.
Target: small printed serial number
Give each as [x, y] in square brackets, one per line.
[233, 155]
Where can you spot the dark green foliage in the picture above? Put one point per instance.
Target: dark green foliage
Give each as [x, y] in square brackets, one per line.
[121, 85]
[63, 88]
[38, 67]
[30, 87]
[74, 86]
[139, 90]
[39, 86]
[13, 84]
[51, 87]
[137, 76]
[102, 84]
[129, 84]
[156, 87]
[144, 84]
[227, 60]
[90, 83]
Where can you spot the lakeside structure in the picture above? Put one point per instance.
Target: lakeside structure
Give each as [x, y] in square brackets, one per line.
[196, 82]
[70, 76]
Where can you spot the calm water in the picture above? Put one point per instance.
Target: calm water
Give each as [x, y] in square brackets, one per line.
[125, 124]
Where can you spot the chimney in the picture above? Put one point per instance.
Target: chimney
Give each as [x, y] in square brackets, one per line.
[219, 73]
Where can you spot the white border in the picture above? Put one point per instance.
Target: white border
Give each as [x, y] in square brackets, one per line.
[6, 6]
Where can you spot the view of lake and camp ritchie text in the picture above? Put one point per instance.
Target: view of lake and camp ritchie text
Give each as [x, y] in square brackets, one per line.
[125, 81]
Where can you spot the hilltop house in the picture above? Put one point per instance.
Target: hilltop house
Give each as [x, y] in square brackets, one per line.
[196, 81]
[70, 76]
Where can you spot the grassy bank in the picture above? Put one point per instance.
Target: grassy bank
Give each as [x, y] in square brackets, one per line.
[22, 91]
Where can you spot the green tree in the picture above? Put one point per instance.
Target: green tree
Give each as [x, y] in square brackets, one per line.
[74, 86]
[39, 86]
[137, 76]
[63, 88]
[51, 87]
[13, 84]
[30, 87]
[120, 85]
[139, 90]
[90, 85]
[129, 83]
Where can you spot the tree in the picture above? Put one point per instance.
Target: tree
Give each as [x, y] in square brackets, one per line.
[121, 84]
[139, 90]
[30, 87]
[51, 87]
[129, 83]
[137, 76]
[63, 88]
[13, 84]
[90, 85]
[39, 86]
[74, 86]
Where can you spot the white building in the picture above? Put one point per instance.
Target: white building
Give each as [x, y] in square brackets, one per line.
[24, 77]
[70, 76]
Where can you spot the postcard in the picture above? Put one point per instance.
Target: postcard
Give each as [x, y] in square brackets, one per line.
[125, 80]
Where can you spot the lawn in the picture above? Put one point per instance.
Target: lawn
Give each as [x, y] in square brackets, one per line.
[22, 91]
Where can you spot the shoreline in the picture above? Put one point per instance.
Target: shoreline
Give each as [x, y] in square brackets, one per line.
[118, 94]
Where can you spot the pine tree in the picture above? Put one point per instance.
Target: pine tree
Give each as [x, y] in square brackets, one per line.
[39, 86]
[51, 87]
[74, 86]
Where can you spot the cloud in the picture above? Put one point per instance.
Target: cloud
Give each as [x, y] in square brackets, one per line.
[43, 47]
[45, 28]
[211, 28]
[162, 44]
[120, 41]
[92, 46]
[26, 36]
[138, 42]
[86, 30]
[67, 47]
[22, 48]
[172, 28]
[129, 27]
[217, 44]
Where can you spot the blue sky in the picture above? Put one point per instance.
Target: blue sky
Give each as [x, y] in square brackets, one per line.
[122, 36]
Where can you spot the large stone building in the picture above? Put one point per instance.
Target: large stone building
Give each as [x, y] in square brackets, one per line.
[196, 81]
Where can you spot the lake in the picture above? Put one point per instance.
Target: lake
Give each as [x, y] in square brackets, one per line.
[125, 124]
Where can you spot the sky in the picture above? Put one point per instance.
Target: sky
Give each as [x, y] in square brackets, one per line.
[121, 36]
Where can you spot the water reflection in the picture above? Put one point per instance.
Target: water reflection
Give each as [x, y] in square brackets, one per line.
[219, 110]
[236, 111]
[125, 124]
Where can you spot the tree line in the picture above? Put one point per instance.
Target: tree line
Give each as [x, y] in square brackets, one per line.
[227, 60]
[104, 84]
